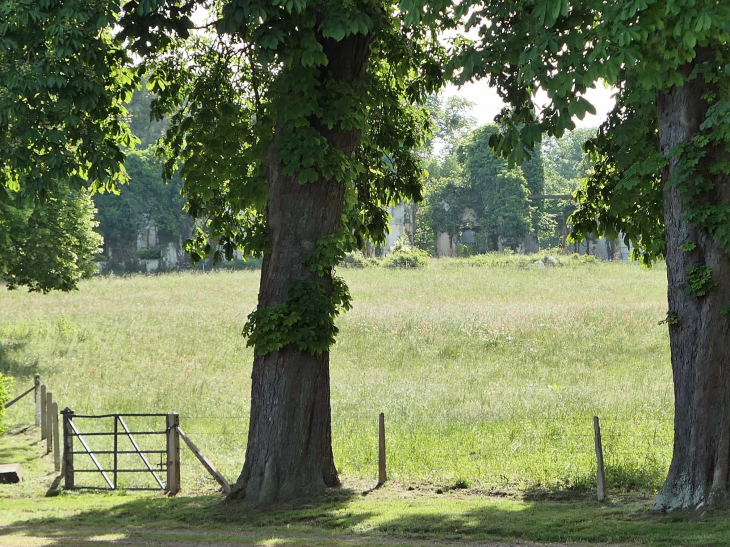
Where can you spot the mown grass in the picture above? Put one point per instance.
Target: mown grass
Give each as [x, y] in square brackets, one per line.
[489, 376]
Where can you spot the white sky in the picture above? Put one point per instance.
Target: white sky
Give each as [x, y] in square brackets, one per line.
[487, 103]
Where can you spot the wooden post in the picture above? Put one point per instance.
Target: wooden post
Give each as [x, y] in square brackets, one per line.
[382, 475]
[49, 422]
[173, 454]
[601, 489]
[56, 439]
[68, 449]
[37, 382]
[44, 413]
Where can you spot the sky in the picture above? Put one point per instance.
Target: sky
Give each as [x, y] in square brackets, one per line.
[487, 103]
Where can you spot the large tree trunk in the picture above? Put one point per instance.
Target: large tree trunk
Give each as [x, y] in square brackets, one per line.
[289, 451]
[699, 340]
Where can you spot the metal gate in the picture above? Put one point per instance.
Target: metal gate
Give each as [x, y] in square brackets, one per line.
[169, 456]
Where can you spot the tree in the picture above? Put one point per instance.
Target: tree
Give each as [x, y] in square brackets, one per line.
[566, 160]
[144, 200]
[296, 122]
[661, 173]
[147, 130]
[452, 122]
[50, 245]
[502, 194]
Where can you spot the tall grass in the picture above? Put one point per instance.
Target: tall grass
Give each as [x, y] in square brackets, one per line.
[488, 375]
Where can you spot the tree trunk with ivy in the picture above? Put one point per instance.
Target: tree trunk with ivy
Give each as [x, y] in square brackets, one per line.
[289, 451]
[699, 330]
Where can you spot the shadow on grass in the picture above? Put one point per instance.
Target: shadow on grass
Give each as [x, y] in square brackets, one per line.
[189, 517]
[346, 516]
[9, 366]
[629, 477]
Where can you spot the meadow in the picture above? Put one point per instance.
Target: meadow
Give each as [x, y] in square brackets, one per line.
[488, 374]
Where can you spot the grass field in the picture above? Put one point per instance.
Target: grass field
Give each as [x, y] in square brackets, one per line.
[488, 376]
[393, 515]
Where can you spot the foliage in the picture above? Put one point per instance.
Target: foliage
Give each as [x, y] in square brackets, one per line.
[145, 201]
[671, 319]
[264, 85]
[451, 120]
[358, 260]
[473, 177]
[503, 208]
[141, 123]
[566, 161]
[63, 81]
[567, 165]
[406, 257]
[688, 246]
[48, 245]
[699, 279]
[262, 91]
[305, 320]
[151, 253]
[641, 48]
[6, 388]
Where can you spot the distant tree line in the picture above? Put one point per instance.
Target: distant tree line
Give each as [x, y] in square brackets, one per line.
[465, 175]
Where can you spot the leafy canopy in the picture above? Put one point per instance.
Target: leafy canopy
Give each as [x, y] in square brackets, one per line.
[257, 86]
[50, 245]
[639, 46]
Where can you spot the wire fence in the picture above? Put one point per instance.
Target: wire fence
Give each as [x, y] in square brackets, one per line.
[523, 453]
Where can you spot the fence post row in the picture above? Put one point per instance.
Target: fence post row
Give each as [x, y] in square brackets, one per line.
[600, 475]
[37, 382]
[68, 449]
[173, 454]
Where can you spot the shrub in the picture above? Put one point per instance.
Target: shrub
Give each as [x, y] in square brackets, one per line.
[245, 264]
[153, 253]
[406, 257]
[353, 260]
[6, 386]
[358, 260]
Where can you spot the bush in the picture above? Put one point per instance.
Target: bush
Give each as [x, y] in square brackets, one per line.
[406, 257]
[6, 386]
[153, 253]
[246, 264]
[358, 260]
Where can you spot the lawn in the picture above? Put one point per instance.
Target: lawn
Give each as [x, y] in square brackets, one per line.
[488, 376]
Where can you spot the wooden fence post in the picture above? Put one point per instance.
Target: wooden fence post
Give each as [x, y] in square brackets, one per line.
[56, 440]
[49, 422]
[173, 454]
[37, 382]
[68, 449]
[44, 413]
[382, 475]
[601, 488]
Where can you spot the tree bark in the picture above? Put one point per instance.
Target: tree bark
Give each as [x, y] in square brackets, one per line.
[698, 473]
[289, 451]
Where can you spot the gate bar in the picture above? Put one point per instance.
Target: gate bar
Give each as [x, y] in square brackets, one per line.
[124, 452]
[91, 455]
[136, 446]
[112, 415]
[110, 434]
